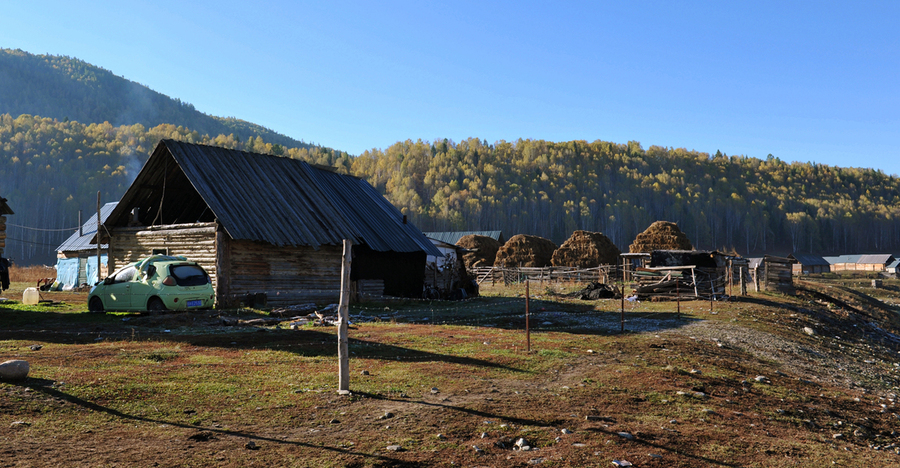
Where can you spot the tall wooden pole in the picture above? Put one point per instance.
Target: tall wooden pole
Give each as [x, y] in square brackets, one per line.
[527, 324]
[344, 315]
[98, 236]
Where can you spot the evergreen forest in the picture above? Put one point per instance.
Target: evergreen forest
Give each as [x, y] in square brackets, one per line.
[64, 138]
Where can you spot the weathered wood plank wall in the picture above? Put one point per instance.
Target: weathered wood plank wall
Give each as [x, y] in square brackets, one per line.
[197, 242]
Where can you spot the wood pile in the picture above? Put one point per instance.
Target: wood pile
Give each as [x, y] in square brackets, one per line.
[695, 283]
[586, 249]
[596, 291]
[525, 251]
[483, 250]
[661, 235]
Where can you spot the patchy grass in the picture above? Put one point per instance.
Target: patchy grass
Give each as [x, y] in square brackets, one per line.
[185, 390]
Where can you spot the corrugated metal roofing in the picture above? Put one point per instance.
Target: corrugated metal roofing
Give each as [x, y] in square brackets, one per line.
[875, 259]
[809, 259]
[452, 237]
[76, 243]
[281, 201]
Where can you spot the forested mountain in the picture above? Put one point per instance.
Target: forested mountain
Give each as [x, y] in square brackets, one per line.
[720, 202]
[51, 167]
[65, 88]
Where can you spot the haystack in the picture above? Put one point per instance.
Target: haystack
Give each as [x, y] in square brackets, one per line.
[526, 251]
[661, 235]
[483, 250]
[586, 249]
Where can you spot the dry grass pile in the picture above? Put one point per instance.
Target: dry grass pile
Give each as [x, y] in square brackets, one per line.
[586, 249]
[526, 251]
[483, 250]
[661, 235]
[30, 274]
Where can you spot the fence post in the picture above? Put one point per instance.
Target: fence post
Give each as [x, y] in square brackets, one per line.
[527, 317]
[344, 314]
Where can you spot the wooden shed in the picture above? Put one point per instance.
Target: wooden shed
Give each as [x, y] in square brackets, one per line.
[76, 257]
[806, 264]
[267, 226]
[773, 273]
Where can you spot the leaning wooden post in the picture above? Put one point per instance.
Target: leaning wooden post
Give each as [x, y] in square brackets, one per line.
[344, 316]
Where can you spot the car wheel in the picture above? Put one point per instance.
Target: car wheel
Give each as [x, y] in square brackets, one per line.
[95, 304]
[156, 306]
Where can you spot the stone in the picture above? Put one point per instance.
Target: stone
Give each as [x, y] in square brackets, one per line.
[478, 449]
[809, 331]
[622, 463]
[394, 448]
[15, 369]
[386, 415]
[251, 445]
[19, 424]
[566, 431]
[626, 436]
[762, 379]
[837, 436]
[522, 444]
[365, 372]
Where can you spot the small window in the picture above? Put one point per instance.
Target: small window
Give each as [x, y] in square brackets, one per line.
[160, 251]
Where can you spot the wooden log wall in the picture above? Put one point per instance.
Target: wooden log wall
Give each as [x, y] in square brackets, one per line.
[777, 277]
[287, 275]
[197, 242]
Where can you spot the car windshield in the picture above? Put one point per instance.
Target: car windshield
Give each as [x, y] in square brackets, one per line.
[189, 275]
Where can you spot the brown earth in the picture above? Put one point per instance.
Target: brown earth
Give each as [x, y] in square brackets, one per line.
[744, 386]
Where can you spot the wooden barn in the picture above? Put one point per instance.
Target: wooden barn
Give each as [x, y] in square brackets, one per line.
[266, 226]
[806, 264]
[76, 257]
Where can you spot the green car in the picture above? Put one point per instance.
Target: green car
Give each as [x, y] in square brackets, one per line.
[155, 284]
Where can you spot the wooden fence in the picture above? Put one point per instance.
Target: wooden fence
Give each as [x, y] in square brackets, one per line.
[506, 276]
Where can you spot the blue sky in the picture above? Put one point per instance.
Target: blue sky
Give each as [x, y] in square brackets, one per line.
[804, 81]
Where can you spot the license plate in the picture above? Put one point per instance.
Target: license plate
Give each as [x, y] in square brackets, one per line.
[195, 303]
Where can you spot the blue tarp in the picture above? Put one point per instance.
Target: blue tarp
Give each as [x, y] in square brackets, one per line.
[92, 268]
[67, 271]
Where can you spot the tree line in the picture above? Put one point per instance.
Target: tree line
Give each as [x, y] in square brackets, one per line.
[50, 169]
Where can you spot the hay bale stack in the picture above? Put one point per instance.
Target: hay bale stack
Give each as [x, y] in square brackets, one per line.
[586, 249]
[484, 250]
[526, 251]
[661, 235]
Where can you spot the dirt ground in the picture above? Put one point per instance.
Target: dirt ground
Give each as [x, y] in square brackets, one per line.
[747, 385]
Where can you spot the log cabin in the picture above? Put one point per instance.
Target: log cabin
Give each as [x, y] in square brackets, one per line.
[266, 226]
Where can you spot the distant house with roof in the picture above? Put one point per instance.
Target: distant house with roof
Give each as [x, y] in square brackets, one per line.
[266, 225]
[76, 257]
[452, 237]
[807, 264]
[868, 262]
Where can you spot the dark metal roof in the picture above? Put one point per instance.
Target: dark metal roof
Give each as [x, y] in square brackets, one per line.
[4, 208]
[277, 200]
[452, 237]
[76, 243]
[809, 259]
